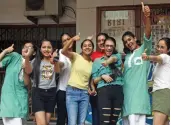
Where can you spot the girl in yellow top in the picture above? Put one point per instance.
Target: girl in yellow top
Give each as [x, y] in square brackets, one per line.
[77, 97]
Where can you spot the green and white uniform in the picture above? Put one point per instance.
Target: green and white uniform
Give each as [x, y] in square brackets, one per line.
[136, 96]
[14, 94]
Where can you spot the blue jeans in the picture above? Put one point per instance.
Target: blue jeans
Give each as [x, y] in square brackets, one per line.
[77, 101]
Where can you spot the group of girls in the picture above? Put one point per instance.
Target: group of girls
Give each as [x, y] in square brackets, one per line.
[97, 75]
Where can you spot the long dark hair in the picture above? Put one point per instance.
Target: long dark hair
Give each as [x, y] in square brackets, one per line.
[129, 33]
[36, 64]
[63, 35]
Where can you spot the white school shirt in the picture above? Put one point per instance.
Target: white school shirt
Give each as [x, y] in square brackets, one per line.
[161, 74]
[65, 73]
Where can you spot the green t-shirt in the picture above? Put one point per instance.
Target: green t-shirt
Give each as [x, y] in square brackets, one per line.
[98, 70]
[14, 95]
[135, 88]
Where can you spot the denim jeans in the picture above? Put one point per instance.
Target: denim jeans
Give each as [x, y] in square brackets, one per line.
[77, 101]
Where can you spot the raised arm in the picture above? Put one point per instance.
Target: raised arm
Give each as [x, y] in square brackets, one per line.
[27, 66]
[63, 63]
[90, 37]
[5, 51]
[147, 21]
[55, 61]
[65, 50]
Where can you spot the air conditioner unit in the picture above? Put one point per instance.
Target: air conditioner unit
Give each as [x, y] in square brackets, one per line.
[38, 8]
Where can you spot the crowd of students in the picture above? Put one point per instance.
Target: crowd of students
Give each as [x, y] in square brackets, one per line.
[113, 86]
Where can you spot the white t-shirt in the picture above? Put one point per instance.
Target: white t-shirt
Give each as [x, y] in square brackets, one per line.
[65, 73]
[161, 74]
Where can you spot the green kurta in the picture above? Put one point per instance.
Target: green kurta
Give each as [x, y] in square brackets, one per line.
[136, 96]
[14, 95]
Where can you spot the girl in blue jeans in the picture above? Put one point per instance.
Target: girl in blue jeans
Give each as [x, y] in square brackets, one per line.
[77, 98]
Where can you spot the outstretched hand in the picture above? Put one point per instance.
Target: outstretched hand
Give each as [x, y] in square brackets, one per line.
[90, 37]
[104, 63]
[9, 49]
[77, 37]
[144, 55]
[145, 10]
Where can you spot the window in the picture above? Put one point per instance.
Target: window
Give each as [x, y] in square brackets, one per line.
[116, 20]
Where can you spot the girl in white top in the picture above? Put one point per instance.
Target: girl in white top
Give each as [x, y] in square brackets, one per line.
[161, 86]
[64, 75]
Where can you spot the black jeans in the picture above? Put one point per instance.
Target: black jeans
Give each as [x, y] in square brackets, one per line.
[61, 108]
[95, 114]
[110, 101]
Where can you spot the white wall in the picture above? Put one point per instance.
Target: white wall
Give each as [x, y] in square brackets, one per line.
[12, 12]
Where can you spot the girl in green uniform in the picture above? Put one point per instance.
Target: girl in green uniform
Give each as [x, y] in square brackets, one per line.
[14, 95]
[136, 97]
